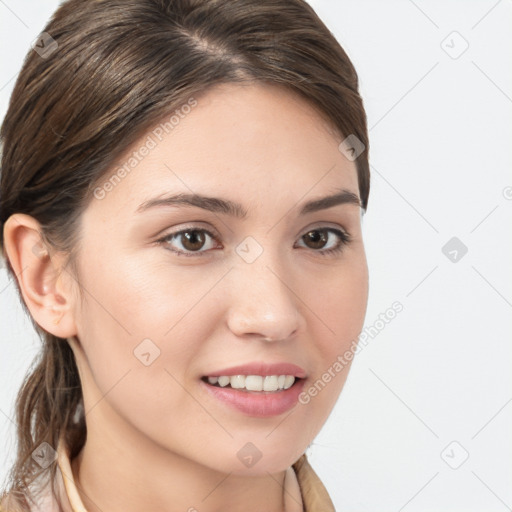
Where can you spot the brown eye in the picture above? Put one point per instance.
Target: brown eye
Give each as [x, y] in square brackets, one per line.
[189, 241]
[197, 242]
[192, 240]
[319, 239]
[316, 238]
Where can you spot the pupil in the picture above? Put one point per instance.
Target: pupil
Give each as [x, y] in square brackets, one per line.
[191, 238]
[316, 236]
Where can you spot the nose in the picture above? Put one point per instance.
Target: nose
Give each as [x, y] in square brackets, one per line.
[262, 302]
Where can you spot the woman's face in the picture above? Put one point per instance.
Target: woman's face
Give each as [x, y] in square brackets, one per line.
[163, 311]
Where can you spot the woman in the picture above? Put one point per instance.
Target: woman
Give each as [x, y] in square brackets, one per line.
[181, 198]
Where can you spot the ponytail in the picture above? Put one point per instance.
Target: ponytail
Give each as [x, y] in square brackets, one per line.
[48, 405]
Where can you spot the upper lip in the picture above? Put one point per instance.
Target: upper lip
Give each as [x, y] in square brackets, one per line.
[262, 369]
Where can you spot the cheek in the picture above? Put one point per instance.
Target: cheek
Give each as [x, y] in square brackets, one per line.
[140, 375]
[138, 296]
[340, 306]
[340, 309]
[141, 318]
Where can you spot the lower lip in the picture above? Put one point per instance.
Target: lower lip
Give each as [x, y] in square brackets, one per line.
[261, 404]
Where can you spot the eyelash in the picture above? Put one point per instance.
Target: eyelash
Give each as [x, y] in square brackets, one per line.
[345, 239]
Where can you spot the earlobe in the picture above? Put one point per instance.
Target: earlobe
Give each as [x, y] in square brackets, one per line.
[40, 275]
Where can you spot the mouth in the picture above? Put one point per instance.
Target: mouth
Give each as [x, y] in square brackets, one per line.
[253, 383]
[258, 390]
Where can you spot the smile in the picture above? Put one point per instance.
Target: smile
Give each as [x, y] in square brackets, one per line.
[253, 382]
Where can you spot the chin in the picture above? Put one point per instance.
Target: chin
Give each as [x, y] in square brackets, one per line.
[261, 456]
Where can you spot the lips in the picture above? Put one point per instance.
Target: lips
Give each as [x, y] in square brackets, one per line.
[257, 389]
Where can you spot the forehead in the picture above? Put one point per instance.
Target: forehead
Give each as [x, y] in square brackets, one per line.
[249, 143]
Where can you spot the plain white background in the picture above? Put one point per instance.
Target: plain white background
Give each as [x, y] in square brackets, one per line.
[425, 418]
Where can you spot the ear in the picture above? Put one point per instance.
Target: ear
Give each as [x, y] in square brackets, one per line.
[45, 285]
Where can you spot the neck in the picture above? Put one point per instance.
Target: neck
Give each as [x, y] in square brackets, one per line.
[122, 471]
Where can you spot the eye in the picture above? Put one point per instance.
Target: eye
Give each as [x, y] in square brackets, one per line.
[191, 240]
[321, 237]
[194, 241]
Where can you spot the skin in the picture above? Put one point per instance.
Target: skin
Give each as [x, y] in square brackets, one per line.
[153, 431]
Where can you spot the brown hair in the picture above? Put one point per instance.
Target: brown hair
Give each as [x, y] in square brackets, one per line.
[110, 69]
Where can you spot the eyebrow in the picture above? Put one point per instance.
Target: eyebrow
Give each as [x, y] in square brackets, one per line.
[227, 207]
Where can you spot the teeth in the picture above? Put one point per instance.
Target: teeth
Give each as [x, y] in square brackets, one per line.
[237, 381]
[223, 381]
[288, 382]
[254, 382]
[270, 383]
